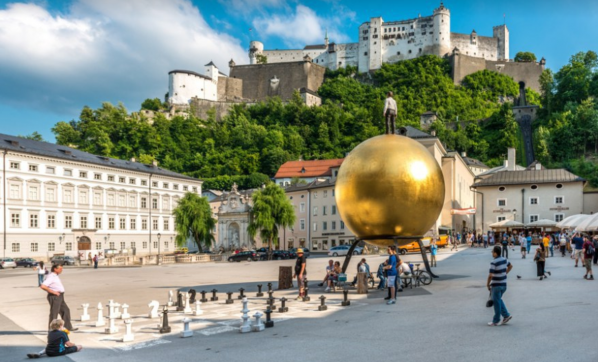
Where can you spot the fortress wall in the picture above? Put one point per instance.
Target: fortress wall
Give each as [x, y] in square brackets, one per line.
[529, 73]
[229, 88]
[296, 55]
[483, 46]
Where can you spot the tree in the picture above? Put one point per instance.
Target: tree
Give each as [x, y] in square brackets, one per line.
[261, 59]
[193, 219]
[525, 57]
[35, 136]
[152, 104]
[271, 210]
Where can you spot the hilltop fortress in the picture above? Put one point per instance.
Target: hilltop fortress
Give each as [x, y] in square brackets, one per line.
[281, 72]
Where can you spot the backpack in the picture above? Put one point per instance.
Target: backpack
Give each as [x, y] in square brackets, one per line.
[590, 250]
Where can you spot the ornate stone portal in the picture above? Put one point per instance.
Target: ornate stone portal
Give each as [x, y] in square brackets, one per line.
[233, 219]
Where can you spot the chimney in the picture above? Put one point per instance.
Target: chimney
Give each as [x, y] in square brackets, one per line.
[511, 159]
[155, 163]
[433, 133]
[463, 154]
[538, 166]
[133, 159]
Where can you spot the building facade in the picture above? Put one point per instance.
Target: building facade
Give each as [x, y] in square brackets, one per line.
[59, 200]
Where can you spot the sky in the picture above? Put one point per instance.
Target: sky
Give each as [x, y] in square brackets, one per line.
[58, 56]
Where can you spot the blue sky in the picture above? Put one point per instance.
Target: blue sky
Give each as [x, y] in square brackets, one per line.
[58, 56]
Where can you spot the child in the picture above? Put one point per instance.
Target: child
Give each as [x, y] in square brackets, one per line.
[433, 252]
[58, 342]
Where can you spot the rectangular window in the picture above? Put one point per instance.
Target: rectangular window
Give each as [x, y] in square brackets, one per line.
[111, 245]
[97, 198]
[155, 244]
[15, 220]
[533, 218]
[558, 217]
[302, 224]
[15, 191]
[143, 224]
[333, 209]
[83, 200]
[533, 201]
[33, 193]
[33, 168]
[111, 223]
[154, 183]
[194, 189]
[69, 246]
[502, 202]
[121, 201]
[68, 196]
[51, 221]
[83, 222]
[98, 246]
[166, 225]
[315, 194]
[133, 223]
[50, 170]
[144, 202]
[324, 225]
[110, 199]
[110, 178]
[132, 201]
[501, 218]
[122, 245]
[15, 165]
[302, 207]
[165, 185]
[34, 247]
[132, 245]
[342, 225]
[68, 222]
[51, 246]
[323, 210]
[166, 245]
[315, 227]
[325, 193]
[97, 176]
[98, 222]
[51, 195]
[558, 199]
[132, 181]
[68, 172]
[143, 182]
[145, 245]
[175, 186]
[155, 224]
[122, 180]
[333, 225]
[123, 223]
[154, 203]
[82, 174]
[315, 211]
[185, 188]
[16, 247]
[33, 221]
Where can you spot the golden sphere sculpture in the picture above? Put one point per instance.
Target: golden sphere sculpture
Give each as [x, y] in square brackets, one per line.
[389, 186]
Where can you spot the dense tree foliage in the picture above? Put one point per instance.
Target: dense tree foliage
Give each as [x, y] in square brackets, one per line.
[249, 144]
[525, 57]
[193, 219]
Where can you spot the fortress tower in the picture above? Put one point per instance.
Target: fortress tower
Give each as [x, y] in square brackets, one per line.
[501, 32]
[255, 48]
[442, 30]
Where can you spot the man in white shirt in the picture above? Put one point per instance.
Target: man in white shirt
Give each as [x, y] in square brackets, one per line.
[390, 113]
[55, 290]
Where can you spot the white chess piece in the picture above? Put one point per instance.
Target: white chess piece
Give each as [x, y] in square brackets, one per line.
[198, 310]
[153, 313]
[246, 323]
[85, 316]
[258, 326]
[125, 314]
[112, 328]
[100, 322]
[170, 302]
[110, 308]
[186, 331]
[187, 309]
[116, 310]
[129, 336]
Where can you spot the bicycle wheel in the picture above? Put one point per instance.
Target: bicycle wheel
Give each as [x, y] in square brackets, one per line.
[425, 278]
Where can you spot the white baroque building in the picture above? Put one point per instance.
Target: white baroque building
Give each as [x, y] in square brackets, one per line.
[59, 200]
[185, 84]
[392, 41]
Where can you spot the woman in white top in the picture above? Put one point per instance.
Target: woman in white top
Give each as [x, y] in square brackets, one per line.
[41, 273]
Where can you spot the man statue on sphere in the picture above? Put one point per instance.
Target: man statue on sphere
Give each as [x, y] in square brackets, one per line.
[390, 113]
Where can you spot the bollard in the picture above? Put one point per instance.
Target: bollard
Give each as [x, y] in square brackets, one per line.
[165, 327]
[192, 293]
[283, 308]
[305, 291]
[125, 314]
[186, 333]
[259, 291]
[214, 297]
[322, 305]
[258, 326]
[179, 302]
[241, 295]
[230, 299]
[85, 316]
[129, 336]
[203, 297]
[100, 322]
[246, 324]
[346, 302]
[198, 310]
[269, 288]
[269, 322]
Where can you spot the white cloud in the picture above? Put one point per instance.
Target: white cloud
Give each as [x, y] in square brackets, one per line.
[107, 50]
[304, 26]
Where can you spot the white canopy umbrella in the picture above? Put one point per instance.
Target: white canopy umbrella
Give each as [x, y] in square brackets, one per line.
[543, 223]
[590, 223]
[571, 222]
[507, 224]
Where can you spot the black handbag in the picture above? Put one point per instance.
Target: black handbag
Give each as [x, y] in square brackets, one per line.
[490, 302]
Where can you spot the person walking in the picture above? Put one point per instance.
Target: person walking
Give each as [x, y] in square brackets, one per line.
[485, 237]
[433, 252]
[455, 241]
[540, 259]
[497, 285]
[390, 113]
[391, 274]
[595, 244]
[522, 242]
[95, 261]
[577, 242]
[41, 273]
[563, 245]
[505, 246]
[53, 286]
[588, 253]
[529, 242]
[300, 272]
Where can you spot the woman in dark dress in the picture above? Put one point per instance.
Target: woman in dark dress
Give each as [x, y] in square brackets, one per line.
[540, 259]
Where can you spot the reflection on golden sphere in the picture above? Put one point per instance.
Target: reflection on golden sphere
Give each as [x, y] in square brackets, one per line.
[389, 186]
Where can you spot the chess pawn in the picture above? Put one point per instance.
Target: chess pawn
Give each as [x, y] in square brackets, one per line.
[125, 314]
[198, 310]
[100, 322]
[85, 316]
[188, 309]
[186, 331]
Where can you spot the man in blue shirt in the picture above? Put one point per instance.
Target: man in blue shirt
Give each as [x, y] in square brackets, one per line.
[578, 241]
[391, 273]
[529, 242]
[497, 285]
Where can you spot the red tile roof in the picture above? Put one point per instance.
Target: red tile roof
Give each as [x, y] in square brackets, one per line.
[316, 168]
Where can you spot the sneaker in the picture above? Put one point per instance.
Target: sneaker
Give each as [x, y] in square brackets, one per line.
[299, 298]
[549, 273]
[392, 301]
[541, 278]
[506, 320]
[492, 324]
[327, 289]
[33, 355]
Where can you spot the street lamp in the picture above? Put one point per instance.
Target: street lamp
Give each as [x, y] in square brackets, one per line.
[61, 237]
[159, 236]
